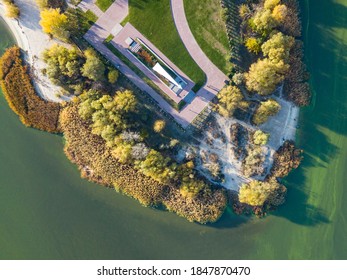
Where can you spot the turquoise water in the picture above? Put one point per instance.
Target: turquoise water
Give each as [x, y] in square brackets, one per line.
[48, 212]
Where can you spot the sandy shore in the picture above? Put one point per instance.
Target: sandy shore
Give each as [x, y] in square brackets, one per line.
[30, 37]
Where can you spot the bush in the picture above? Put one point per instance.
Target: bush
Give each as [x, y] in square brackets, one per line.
[113, 76]
[286, 158]
[159, 125]
[21, 96]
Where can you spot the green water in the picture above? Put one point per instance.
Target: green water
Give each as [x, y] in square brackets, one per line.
[48, 212]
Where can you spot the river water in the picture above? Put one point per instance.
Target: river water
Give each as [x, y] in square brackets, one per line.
[48, 212]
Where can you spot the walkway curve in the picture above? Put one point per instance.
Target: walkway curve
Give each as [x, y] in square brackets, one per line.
[215, 77]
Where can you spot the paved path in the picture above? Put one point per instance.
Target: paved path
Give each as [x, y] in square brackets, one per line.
[215, 78]
[86, 5]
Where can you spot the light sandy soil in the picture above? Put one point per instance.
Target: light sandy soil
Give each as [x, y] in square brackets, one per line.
[33, 41]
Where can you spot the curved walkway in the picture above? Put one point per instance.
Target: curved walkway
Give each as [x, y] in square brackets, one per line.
[215, 77]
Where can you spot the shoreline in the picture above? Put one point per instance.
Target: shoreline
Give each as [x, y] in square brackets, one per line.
[23, 28]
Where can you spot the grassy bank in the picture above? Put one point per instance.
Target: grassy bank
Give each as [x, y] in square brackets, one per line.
[208, 27]
[154, 20]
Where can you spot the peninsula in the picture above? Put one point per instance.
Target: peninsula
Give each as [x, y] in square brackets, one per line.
[191, 106]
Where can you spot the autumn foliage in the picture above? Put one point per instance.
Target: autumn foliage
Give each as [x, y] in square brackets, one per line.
[21, 96]
[94, 158]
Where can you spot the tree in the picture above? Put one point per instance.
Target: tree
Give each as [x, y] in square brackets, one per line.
[159, 125]
[43, 4]
[93, 68]
[263, 21]
[260, 138]
[280, 12]
[229, 99]
[253, 45]
[270, 4]
[123, 152]
[265, 110]
[244, 10]
[156, 166]
[256, 193]
[12, 11]
[277, 48]
[63, 65]
[238, 79]
[55, 23]
[125, 101]
[263, 76]
[112, 76]
[253, 163]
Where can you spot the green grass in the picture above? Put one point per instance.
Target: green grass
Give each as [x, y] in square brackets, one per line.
[154, 20]
[208, 27]
[148, 81]
[104, 4]
[91, 17]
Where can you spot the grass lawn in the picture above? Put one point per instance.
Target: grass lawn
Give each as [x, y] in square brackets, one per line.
[208, 28]
[104, 4]
[154, 20]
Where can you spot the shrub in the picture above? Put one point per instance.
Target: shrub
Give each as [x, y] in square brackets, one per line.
[159, 125]
[286, 158]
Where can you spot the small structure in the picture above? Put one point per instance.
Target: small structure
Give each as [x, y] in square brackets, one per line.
[154, 63]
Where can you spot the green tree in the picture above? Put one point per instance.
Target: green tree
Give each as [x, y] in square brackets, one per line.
[93, 68]
[63, 65]
[156, 166]
[260, 138]
[265, 110]
[228, 100]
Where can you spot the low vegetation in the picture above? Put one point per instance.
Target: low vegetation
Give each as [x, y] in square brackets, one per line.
[96, 161]
[21, 96]
[207, 22]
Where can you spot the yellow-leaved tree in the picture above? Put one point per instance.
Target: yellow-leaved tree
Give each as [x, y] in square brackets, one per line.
[53, 22]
